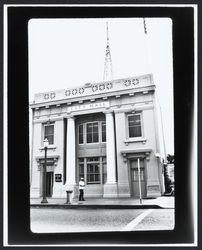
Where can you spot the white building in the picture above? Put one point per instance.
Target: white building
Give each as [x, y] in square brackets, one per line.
[98, 131]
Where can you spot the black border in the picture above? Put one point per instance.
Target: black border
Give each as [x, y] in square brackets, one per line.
[18, 126]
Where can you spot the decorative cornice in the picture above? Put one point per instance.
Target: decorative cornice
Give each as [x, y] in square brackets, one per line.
[53, 159]
[50, 119]
[129, 153]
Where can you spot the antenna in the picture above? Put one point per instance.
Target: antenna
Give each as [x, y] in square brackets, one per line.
[108, 61]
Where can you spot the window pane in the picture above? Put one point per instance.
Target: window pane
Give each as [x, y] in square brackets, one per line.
[95, 127]
[91, 168]
[95, 137]
[91, 177]
[81, 170]
[49, 130]
[89, 133]
[103, 132]
[49, 133]
[137, 120]
[93, 171]
[104, 159]
[137, 131]
[92, 132]
[97, 177]
[92, 159]
[89, 138]
[131, 120]
[96, 168]
[131, 132]
[81, 160]
[81, 134]
[89, 128]
[134, 126]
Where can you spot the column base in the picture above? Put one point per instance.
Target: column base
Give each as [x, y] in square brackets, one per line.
[123, 190]
[110, 190]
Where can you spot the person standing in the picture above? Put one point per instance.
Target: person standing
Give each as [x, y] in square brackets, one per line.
[81, 189]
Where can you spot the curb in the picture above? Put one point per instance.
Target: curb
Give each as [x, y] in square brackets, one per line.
[83, 206]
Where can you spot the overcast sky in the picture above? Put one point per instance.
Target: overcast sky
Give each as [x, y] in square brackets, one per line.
[64, 53]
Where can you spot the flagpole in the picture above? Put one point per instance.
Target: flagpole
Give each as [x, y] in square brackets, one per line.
[146, 46]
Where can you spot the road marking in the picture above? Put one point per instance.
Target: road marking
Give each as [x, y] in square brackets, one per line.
[137, 220]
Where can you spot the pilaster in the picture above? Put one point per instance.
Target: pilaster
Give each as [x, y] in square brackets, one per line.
[71, 153]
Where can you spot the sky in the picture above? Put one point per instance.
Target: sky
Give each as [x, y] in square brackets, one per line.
[65, 53]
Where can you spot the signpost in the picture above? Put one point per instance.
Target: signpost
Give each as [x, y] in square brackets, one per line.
[139, 180]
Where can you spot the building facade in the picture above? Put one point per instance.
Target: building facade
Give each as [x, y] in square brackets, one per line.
[103, 132]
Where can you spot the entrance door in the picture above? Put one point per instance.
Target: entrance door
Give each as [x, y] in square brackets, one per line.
[49, 184]
[135, 179]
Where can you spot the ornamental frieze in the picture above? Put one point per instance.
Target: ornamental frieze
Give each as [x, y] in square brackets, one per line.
[130, 82]
[102, 86]
[49, 96]
[96, 88]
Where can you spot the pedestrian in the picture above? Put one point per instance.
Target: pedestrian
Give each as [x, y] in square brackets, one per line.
[81, 189]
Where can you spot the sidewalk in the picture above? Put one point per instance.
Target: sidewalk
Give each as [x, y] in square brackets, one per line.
[119, 203]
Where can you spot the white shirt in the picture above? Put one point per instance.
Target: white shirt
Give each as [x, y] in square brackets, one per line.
[81, 184]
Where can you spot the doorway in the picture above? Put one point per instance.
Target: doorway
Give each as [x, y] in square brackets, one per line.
[135, 192]
[49, 184]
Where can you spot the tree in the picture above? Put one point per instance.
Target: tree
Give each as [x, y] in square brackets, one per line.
[170, 159]
[168, 181]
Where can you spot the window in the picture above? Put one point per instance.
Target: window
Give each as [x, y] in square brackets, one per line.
[103, 131]
[104, 169]
[49, 133]
[81, 168]
[92, 132]
[93, 170]
[134, 125]
[81, 134]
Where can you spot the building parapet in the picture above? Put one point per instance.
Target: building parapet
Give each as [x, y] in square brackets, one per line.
[93, 89]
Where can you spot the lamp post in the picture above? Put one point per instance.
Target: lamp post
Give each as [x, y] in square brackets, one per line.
[44, 200]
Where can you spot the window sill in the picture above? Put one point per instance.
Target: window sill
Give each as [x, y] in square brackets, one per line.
[140, 139]
[93, 143]
[53, 147]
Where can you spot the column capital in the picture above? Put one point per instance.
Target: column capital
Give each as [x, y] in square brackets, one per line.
[70, 116]
[108, 111]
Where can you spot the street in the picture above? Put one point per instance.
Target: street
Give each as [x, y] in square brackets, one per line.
[47, 220]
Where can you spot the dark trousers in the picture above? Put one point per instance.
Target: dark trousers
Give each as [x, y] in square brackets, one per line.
[81, 195]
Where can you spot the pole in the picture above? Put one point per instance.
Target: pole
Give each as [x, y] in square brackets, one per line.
[139, 180]
[44, 200]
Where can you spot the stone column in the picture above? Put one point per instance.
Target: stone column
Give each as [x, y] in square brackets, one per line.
[70, 153]
[110, 188]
